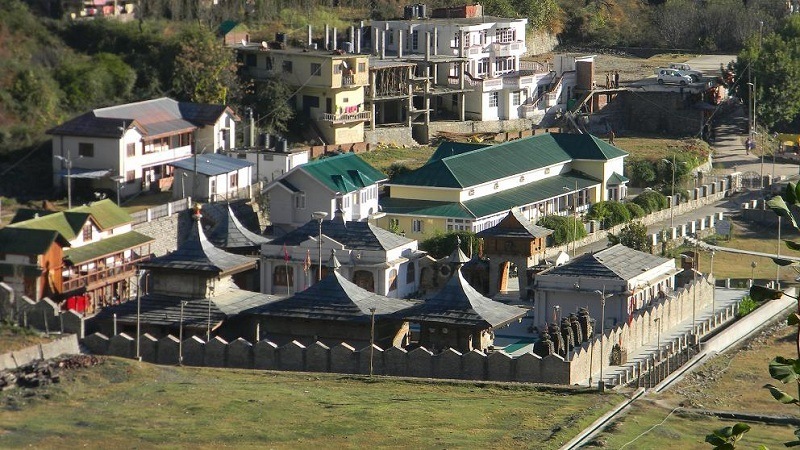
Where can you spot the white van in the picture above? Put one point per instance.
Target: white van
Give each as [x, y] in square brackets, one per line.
[673, 76]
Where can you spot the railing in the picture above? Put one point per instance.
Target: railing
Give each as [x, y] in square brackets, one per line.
[535, 66]
[507, 48]
[106, 275]
[346, 117]
[353, 79]
[159, 211]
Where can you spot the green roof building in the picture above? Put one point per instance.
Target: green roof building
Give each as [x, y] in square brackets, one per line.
[472, 187]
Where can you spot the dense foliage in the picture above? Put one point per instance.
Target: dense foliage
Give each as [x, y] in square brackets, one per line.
[565, 228]
[632, 235]
[651, 201]
[609, 213]
[441, 245]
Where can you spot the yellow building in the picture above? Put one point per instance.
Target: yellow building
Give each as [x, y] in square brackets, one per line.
[473, 186]
[330, 86]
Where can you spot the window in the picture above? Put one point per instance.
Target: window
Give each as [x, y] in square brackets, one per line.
[283, 276]
[234, 180]
[416, 226]
[394, 224]
[251, 60]
[391, 37]
[415, 40]
[86, 149]
[454, 100]
[130, 176]
[268, 63]
[505, 35]
[515, 98]
[504, 64]
[337, 69]
[287, 66]
[411, 276]
[131, 150]
[467, 39]
[393, 280]
[456, 39]
[483, 37]
[362, 67]
[494, 99]
[316, 69]
[300, 200]
[483, 66]
[87, 232]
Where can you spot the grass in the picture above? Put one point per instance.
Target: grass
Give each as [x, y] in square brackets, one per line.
[13, 337]
[122, 403]
[654, 148]
[411, 157]
[729, 382]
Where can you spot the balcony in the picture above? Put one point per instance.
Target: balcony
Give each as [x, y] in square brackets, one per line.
[358, 79]
[508, 48]
[360, 116]
[104, 276]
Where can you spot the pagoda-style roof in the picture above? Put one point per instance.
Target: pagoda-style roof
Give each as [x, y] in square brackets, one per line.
[333, 299]
[229, 233]
[515, 225]
[196, 253]
[460, 304]
[353, 235]
[615, 263]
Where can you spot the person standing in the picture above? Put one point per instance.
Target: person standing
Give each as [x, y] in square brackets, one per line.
[616, 78]
[608, 80]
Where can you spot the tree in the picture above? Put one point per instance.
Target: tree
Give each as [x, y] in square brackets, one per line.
[565, 228]
[651, 201]
[442, 245]
[205, 71]
[609, 213]
[633, 235]
[270, 100]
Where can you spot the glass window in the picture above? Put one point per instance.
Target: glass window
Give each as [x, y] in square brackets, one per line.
[131, 150]
[86, 149]
[494, 99]
[287, 66]
[515, 98]
[130, 176]
[316, 69]
[416, 226]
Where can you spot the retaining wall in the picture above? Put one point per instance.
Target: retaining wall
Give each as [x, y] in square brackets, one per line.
[66, 345]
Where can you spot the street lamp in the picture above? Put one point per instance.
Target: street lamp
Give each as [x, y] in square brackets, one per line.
[319, 216]
[371, 338]
[118, 181]
[603, 297]
[574, 216]
[753, 272]
[184, 175]
[139, 275]
[713, 290]
[672, 202]
[180, 335]
[68, 164]
[778, 266]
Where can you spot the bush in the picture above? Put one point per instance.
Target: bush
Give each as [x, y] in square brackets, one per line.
[609, 213]
[633, 235]
[565, 229]
[636, 211]
[746, 306]
[641, 173]
[651, 201]
[442, 245]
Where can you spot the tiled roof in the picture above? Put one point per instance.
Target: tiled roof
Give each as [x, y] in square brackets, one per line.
[458, 303]
[106, 213]
[107, 246]
[334, 298]
[617, 262]
[483, 165]
[196, 253]
[21, 241]
[515, 225]
[211, 164]
[490, 204]
[152, 117]
[343, 173]
[229, 233]
[353, 235]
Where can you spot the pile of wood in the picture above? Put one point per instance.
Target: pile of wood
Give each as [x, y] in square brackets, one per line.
[466, 137]
[42, 373]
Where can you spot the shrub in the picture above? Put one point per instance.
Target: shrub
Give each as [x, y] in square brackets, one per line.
[636, 211]
[746, 306]
[641, 173]
[565, 229]
[441, 245]
[651, 201]
[633, 235]
[609, 213]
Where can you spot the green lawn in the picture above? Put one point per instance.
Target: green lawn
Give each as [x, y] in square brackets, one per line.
[653, 148]
[125, 404]
[14, 338]
[411, 157]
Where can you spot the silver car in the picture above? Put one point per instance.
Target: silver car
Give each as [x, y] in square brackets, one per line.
[673, 76]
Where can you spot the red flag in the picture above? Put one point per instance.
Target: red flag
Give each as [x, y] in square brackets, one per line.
[285, 253]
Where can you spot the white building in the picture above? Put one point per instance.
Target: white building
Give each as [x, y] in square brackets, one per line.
[271, 164]
[344, 182]
[128, 148]
[502, 86]
[212, 177]
[630, 279]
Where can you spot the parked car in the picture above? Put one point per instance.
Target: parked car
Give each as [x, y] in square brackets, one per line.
[687, 69]
[673, 76]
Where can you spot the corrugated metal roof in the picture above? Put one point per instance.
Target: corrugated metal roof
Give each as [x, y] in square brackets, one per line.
[107, 246]
[20, 241]
[353, 235]
[343, 173]
[211, 164]
[409, 206]
[106, 213]
[483, 165]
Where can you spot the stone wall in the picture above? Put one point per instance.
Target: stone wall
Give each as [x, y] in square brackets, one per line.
[540, 42]
[400, 135]
[165, 232]
[66, 345]
[43, 315]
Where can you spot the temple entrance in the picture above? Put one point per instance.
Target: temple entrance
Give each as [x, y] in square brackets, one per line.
[364, 279]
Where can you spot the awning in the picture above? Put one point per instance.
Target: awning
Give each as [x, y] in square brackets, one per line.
[85, 173]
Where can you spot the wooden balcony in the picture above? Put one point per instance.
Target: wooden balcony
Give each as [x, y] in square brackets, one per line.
[101, 277]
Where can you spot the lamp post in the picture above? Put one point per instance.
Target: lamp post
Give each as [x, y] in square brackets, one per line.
[603, 297]
[778, 266]
[180, 335]
[672, 202]
[713, 291]
[183, 184]
[118, 181]
[139, 275]
[319, 216]
[574, 216]
[371, 338]
[753, 272]
[68, 164]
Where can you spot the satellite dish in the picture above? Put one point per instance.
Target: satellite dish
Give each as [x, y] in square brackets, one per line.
[264, 44]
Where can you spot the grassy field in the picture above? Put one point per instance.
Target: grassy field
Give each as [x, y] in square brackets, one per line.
[411, 157]
[15, 338]
[730, 382]
[653, 148]
[126, 404]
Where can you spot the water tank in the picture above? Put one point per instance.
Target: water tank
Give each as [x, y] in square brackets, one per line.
[283, 145]
[423, 10]
[408, 12]
[280, 37]
[347, 47]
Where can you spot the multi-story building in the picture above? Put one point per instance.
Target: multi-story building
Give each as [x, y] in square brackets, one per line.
[472, 187]
[85, 256]
[127, 149]
[476, 55]
[330, 85]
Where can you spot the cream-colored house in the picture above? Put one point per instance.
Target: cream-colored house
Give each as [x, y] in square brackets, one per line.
[330, 86]
[473, 186]
[127, 149]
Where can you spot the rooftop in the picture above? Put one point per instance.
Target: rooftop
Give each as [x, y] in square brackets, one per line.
[515, 225]
[342, 173]
[617, 262]
[353, 235]
[211, 164]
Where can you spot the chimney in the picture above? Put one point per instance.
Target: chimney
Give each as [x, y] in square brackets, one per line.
[335, 43]
[327, 38]
[383, 44]
[400, 34]
[309, 35]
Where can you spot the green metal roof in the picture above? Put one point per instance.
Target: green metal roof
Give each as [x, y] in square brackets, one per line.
[616, 179]
[58, 222]
[343, 173]
[105, 212]
[105, 247]
[483, 165]
[450, 148]
[21, 241]
[424, 208]
[490, 204]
